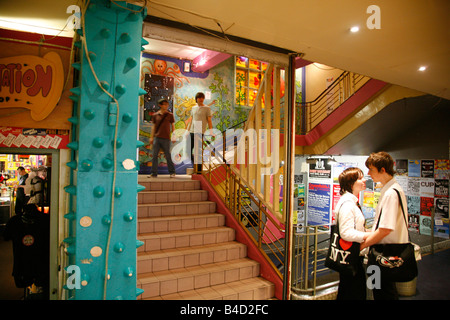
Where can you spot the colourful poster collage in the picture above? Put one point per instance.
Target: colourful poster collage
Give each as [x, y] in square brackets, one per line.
[426, 185]
[425, 182]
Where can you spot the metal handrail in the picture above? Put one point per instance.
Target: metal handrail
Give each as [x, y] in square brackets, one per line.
[306, 268]
[315, 111]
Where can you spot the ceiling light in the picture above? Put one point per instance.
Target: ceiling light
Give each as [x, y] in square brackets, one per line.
[354, 29]
[422, 68]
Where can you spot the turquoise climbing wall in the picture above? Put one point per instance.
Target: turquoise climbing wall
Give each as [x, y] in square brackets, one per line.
[103, 193]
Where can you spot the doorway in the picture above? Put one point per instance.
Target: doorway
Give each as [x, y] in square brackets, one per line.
[42, 167]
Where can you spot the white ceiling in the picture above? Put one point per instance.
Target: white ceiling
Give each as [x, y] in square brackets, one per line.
[413, 32]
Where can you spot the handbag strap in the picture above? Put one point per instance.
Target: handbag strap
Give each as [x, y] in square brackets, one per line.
[403, 213]
[337, 213]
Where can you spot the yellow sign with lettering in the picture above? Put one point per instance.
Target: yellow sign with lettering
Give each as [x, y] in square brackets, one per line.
[31, 82]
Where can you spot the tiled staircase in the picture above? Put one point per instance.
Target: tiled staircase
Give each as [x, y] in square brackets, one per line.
[188, 252]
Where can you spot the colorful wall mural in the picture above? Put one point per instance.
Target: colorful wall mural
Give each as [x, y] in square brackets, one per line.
[164, 77]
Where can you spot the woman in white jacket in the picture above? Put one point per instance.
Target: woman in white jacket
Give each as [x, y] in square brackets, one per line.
[351, 228]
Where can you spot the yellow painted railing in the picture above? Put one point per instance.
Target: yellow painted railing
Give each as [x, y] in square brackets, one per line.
[244, 167]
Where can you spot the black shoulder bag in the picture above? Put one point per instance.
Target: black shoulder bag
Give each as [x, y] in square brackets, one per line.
[342, 256]
[397, 261]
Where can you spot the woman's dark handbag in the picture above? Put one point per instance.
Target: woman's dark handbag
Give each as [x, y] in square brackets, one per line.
[397, 261]
[342, 256]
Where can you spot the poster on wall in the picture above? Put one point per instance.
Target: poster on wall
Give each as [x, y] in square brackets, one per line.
[425, 225]
[414, 168]
[413, 223]
[427, 168]
[319, 198]
[427, 187]
[401, 167]
[157, 87]
[441, 208]
[33, 138]
[413, 203]
[413, 187]
[336, 197]
[441, 188]
[441, 229]
[320, 169]
[339, 167]
[442, 169]
[426, 204]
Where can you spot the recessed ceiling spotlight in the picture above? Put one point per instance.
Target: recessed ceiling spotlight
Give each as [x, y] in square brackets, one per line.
[354, 29]
[422, 68]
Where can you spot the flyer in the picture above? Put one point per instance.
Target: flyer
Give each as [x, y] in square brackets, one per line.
[425, 225]
[319, 198]
[413, 222]
[426, 204]
[413, 187]
[441, 169]
[414, 168]
[427, 168]
[320, 169]
[441, 188]
[401, 167]
[427, 187]
[413, 204]
[441, 208]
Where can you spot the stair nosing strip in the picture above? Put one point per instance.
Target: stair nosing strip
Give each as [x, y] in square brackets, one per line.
[174, 217]
[204, 269]
[179, 232]
[185, 250]
[175, 203]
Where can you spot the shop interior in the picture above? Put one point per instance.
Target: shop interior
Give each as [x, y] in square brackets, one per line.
[25, 232]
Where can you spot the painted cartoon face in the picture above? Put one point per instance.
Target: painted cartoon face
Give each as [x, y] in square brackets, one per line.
[160, 66]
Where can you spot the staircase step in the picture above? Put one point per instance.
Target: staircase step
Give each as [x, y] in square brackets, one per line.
[249, 289]
[241, 275]
[177, 223]
[188, 252]
[170, 185]
[178, 208]
[172, 259]
[185, 238]
[151, 197]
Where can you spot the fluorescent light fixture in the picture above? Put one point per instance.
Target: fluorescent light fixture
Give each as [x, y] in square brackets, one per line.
[354, 29]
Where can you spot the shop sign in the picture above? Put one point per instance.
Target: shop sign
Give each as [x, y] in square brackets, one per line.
[31, 82]
[33, 138]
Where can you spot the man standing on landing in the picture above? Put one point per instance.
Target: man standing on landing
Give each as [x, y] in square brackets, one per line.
[163, 127]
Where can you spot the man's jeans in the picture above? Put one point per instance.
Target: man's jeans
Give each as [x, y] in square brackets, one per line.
[164, 144]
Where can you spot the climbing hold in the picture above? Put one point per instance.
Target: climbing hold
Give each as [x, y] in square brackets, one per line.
[127, 117]
[99, 191]
[128, 216]
[87, 165]
[98, 142]
[89, 114]
[119, 247]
